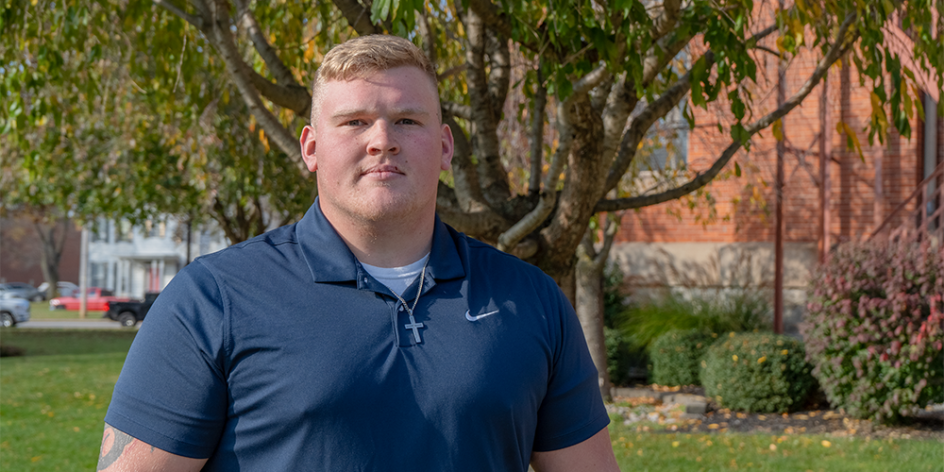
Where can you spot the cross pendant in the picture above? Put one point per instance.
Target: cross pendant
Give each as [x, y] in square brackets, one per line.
[416, 329]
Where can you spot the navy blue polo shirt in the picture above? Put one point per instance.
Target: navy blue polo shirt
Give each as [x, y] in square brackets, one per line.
[283, 353]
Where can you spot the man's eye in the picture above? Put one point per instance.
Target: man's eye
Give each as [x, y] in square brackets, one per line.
[407, 121]
[355, 123]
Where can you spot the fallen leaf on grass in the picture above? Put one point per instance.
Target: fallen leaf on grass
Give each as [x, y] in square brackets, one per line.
[826, 443]
[675, 444]
[773, 447]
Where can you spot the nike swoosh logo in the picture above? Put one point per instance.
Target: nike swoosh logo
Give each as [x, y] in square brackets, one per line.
[469, 316]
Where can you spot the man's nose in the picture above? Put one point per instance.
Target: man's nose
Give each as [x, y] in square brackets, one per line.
[382, 139]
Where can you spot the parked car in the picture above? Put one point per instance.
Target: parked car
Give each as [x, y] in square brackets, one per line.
[129, 313]
[66, 289]
[13, 310]
[21, 290]
[98, 300]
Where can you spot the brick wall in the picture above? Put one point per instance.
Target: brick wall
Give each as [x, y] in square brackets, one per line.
[744, 206]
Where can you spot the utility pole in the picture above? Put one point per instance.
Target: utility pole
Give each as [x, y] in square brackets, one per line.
[778, 198]
[83, 274]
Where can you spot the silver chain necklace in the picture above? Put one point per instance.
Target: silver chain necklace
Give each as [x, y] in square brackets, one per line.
[413, 325]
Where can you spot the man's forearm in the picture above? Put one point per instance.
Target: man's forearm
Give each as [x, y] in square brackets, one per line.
[123, 453]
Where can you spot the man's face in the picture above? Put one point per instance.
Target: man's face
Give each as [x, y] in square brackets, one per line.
[378, 146]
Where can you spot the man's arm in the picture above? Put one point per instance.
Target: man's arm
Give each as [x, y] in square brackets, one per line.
[593, 455]
[123, 453]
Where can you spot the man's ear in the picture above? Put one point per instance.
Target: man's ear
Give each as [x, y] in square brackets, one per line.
[448, 147]
[307, 141]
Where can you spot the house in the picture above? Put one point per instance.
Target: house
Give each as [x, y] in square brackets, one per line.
[133, 260]
[729, 245]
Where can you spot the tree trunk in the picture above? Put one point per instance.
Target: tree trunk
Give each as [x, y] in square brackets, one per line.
[590, 311]
[51, 254]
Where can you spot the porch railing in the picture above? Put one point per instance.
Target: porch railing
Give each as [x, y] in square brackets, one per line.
[923, 223]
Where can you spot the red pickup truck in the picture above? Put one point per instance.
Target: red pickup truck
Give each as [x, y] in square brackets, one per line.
[98, 299]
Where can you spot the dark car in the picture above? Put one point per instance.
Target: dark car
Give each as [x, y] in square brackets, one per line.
[130, 312]
[21, 290]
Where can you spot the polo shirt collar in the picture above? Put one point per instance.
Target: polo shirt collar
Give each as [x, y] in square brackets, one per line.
[330, 260]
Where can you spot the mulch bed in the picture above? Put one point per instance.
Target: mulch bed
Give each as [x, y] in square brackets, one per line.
[815, 419]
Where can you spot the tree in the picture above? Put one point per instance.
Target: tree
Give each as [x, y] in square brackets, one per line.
[594, 63]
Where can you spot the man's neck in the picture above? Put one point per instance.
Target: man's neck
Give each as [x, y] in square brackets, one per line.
[386, 243]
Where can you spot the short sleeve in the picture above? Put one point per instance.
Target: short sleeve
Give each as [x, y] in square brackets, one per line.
[172, 391]
[572, 410]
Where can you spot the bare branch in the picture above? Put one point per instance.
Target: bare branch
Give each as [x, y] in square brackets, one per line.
[193, 20]
[533, 219]
[844, 42]
[358, 16]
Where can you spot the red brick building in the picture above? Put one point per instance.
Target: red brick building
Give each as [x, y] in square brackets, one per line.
[731, 243]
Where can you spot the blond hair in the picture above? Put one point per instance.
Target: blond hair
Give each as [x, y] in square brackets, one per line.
[361, 57]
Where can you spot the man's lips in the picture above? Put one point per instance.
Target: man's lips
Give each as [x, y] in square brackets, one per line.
[382, 172]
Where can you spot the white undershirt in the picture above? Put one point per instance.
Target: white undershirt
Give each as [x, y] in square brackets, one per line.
[397, 279]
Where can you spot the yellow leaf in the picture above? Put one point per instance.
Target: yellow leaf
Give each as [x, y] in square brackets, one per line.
[310, 50]
[784, 352]
[675, 444]
[731, 334]
[773, 447]
[35, 458]
[826, 443]
[778, 130]
[252, 124]
[762, 359]
[735, 357]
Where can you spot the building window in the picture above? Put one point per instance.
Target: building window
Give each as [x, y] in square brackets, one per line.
[98, 273]
[123, 231]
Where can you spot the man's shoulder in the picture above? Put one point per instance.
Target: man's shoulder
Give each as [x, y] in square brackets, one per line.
[255, 250]
[485, 257]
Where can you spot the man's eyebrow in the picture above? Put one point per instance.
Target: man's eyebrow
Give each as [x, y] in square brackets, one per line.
[353, 112]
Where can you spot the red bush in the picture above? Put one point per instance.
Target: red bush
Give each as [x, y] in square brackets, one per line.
[875, 328]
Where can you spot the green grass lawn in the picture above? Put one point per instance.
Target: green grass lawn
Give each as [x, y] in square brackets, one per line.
[53, 401]
[763, 452]
[40, 311]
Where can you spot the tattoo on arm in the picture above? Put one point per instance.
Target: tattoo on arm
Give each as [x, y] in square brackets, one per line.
[114, 443]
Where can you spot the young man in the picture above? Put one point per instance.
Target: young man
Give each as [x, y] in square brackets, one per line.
[369, 335]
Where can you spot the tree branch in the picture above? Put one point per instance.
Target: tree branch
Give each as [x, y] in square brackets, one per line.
[840, 47]
[666, 20]
[457, 110]
[657, 109]
[536, 217]
[282, 74]
[537, 134]
[357, 16]
[193, 20]
[222, 38]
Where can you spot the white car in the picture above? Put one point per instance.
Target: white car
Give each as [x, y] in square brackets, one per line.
[66, 289]
[13, 310]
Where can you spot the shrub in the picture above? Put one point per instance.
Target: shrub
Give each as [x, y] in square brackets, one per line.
[874, 328]
[676, 356]
[762, 373]
[739, 311]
